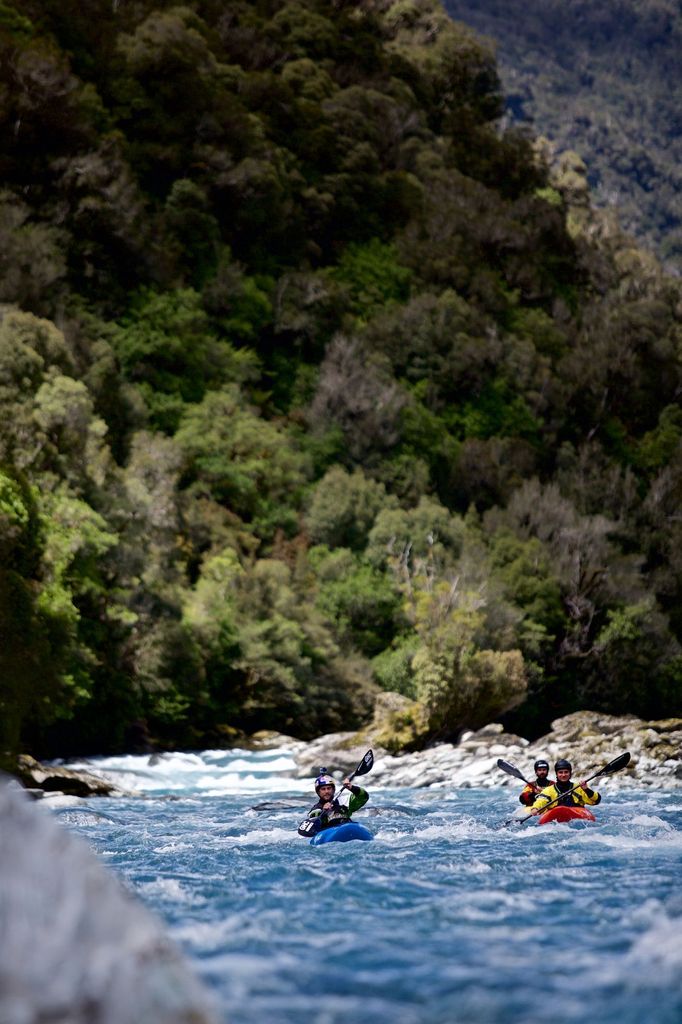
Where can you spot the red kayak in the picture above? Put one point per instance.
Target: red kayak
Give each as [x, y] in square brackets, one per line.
[566, 814]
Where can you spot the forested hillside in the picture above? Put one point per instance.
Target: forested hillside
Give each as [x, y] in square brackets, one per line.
[603, 79]
[314, 383]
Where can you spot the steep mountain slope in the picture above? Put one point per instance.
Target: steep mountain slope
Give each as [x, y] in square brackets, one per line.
[603, 79]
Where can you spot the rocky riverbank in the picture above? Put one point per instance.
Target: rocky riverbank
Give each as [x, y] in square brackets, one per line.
[42, 779]
[588, 739]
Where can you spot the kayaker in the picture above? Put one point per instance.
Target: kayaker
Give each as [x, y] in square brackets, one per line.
[542, 780]
[328, 808]
[559, 793]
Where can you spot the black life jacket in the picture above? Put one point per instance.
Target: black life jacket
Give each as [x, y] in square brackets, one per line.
[338, 813]
[566, 801]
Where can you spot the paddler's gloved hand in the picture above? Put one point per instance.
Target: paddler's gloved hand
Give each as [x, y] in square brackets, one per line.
[583, 785]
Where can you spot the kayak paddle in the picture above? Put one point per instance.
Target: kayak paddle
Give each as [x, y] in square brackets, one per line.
[310, 826]
[511, 769]
[613, 766]
[362, 769]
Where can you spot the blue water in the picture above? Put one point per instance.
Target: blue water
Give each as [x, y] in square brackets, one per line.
[447, 917]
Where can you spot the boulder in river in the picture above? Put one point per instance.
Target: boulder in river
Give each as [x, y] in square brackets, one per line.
[49, 778]
[77, 948]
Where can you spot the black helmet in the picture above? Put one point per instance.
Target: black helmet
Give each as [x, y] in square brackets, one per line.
[563, 763]
[540, 764]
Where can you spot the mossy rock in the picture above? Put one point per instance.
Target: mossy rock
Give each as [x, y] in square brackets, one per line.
[402, 727]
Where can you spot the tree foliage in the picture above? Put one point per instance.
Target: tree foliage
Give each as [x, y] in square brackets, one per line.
[317, 380]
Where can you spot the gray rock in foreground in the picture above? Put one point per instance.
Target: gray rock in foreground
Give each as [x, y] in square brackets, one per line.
[76, 948]
[588, 739]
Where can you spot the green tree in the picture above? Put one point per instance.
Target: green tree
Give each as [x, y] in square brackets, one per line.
[361, 602]
[373, 276]
[50, 549]
[460, 685]
[34, 256]
[657, 447]
[525, 570]
[636, 661]
[239, 305]
[167, 347]
[174, 83]
[428, 537]
[343, 507]
[393, 666]
[250, 464]
[189, 220]
[70, 435]
[274, 662]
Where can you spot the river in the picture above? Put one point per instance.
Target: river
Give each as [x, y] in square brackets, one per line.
[447, 917]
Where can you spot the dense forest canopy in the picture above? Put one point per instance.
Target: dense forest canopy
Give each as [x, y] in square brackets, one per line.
[603, 79]
[316, 382]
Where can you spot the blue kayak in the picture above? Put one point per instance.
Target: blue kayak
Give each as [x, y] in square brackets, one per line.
[341, 834]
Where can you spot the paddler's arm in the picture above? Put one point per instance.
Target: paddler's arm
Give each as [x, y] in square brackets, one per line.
[589, 796]
[358, 798]
[527, 796]
[546, 796]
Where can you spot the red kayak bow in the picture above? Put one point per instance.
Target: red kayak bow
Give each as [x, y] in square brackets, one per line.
[566, 814]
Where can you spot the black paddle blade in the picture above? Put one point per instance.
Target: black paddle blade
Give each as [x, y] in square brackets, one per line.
[509, 768]
[616, 765]
[366, 764]
[309, 827]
